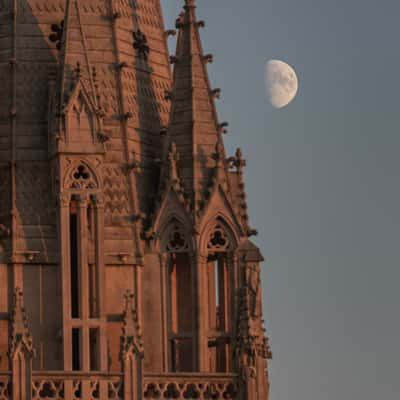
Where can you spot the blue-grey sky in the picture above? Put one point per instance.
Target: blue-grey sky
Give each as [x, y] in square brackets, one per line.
[322, 182]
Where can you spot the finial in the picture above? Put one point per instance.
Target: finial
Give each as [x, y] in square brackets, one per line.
[179, 20]
[240, 162]
[129, 314]
[173, 158]
[219, 153]
[131, 339]
[78, 74]
[140, 44]
[190, 3]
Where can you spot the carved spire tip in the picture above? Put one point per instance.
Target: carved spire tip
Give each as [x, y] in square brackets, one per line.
[190, 3]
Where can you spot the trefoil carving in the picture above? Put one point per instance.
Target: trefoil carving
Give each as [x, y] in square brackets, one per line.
[80, 177]
[219, 240]
[57, 34]
[177, 240]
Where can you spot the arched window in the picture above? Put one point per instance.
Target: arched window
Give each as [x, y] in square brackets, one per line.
[83, 269]
[180, 298]
[219, 295]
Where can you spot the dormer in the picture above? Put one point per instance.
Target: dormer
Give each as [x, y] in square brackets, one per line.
[81, 121]
[82, 124]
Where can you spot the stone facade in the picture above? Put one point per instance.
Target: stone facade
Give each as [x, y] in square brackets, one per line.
[126, 266]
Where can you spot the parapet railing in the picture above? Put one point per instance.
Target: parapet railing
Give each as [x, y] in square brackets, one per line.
[5, 386]
[60, 385]
[184, 386]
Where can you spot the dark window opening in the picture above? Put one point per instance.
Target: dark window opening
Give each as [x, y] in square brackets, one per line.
[76, 353]
[73, 237]
[218, 312]
[94, 349]
[181, 313]
[93, 303]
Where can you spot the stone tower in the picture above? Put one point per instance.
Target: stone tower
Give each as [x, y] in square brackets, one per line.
[126, 266]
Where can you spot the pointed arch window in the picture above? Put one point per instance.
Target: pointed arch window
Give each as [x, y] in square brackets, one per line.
[219, 296]
[83, 268]
[180, 299]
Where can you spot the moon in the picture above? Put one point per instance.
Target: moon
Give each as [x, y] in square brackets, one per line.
[282, 83]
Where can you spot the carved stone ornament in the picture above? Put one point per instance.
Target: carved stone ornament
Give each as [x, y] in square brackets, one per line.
[57, 34]
[140, 44]
[177, 240]
[131, 339]
[21, 339]
[173, 158]
[64, 199]
[219, 240]
[253, 275]
[81, 177]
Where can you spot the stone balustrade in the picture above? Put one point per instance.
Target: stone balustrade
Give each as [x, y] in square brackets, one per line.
[190, 386]
[53, 385]
[5, 386]
[85, 386]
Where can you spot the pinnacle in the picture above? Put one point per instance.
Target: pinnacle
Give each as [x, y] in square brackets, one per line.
[194, 126]
[131, 339]
[20, 331]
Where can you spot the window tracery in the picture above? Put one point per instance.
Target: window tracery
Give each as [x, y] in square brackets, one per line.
[177, 240]
[219, 240]
[81, 177]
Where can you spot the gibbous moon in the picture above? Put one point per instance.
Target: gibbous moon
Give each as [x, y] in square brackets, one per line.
[282, 83]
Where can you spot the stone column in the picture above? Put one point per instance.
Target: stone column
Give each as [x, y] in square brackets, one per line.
[199, 264]
[84, 315]
[165, 309]
[98, 201]
[252, 349]
[64, 201]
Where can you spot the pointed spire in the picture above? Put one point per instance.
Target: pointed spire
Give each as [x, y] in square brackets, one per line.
[194, 123]
[75, 65]
[131, 339]
[20, 336]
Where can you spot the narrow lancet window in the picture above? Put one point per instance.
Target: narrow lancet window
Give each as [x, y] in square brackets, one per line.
[219, 299]
[181, 305]
[181, 301]
[76, 353]
[94, 349]
[73, 238]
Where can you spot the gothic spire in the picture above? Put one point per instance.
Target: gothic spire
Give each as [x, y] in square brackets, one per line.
[194, 126]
